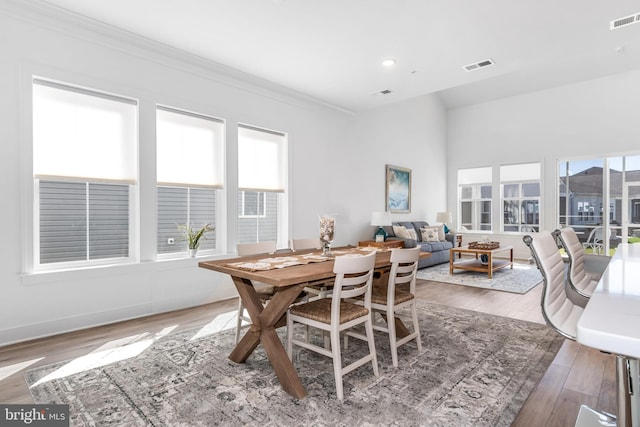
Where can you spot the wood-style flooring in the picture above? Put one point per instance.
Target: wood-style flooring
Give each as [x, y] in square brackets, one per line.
[578, 375]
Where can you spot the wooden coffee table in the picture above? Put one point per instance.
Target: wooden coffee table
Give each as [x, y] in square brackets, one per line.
[475, 264]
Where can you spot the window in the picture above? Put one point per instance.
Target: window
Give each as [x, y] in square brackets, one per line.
[474, 195]
[599, 195]
[520, 186]
[84, 169]
[262, 160]
[189, 175]
[253, 204]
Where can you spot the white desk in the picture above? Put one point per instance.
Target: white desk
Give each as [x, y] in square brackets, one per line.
[611, 322]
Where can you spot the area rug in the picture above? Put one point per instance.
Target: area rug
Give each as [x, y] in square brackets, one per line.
[475, 370]
[520, 280]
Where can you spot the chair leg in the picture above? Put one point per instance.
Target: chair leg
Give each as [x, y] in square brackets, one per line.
[337, 362]
[393, 340]
[368, 326]
[416, 328]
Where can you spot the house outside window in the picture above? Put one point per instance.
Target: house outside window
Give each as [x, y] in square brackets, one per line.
[84, 172]
[520, 188]
[190, 161]
[475, 198]
[262, 160]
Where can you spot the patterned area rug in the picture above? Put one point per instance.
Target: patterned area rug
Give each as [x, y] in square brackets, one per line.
[520, 280]
[475, 370]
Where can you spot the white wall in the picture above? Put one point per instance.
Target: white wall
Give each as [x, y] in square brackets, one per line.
[583, 120]
[336, 165]
[34, 42]
[410, 134]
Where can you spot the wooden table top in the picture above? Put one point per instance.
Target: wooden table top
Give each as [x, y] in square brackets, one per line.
[467, 249]
[283, 277]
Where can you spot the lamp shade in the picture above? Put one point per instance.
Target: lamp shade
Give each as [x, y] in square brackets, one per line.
[444, 217]
[379, 219]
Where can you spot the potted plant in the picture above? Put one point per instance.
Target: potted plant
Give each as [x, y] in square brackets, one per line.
[194, 237]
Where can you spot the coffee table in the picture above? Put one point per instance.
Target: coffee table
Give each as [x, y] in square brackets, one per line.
[475, 264]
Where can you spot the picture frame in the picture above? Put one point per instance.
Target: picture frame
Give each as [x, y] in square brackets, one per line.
[397, 189]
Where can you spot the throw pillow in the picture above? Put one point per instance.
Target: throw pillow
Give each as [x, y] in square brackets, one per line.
[412, 233]
[404, 233]
[441, 233]
[429, 234]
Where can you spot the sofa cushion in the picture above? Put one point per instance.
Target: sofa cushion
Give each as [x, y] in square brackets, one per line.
[435, 246]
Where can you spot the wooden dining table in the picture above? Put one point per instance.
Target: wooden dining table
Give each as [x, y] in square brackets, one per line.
[289, 283]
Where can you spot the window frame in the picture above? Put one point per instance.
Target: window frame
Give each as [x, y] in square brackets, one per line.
[32, 259]
[218, 148]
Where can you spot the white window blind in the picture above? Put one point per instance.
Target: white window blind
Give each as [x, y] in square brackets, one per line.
[523, 172]
[261, 160]
[83, 135]
[189, 149]
[474, 176]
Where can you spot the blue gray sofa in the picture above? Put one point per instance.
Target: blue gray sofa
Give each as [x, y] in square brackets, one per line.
[439, 249]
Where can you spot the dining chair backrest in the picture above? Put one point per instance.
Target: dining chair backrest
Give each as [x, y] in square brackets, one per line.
[404, 267]
[244, 249]
[302, 244]
[558, 310]
[354, 277]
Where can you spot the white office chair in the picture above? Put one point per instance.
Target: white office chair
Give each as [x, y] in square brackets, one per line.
[585, 270]
[354, 277]
[264, 291]
[404, 265]
[558, 310]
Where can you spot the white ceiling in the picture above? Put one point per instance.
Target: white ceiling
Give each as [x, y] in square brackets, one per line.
[332, 49]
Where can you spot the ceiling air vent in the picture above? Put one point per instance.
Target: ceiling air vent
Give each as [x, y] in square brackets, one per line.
[382, 92]
[478, 65]
[623, 22]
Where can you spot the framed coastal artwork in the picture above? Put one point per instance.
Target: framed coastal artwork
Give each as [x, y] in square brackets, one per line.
[398, 189]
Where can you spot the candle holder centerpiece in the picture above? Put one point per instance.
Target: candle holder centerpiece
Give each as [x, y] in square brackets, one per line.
[327, 228]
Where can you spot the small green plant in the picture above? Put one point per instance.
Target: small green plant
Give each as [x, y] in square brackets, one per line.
[194, 237]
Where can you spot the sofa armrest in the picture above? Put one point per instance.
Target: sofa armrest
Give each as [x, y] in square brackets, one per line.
[451, 237]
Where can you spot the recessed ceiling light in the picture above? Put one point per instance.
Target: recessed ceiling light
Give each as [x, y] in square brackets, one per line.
[389, 62]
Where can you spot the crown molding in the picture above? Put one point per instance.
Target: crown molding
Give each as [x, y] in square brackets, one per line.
[54, 18]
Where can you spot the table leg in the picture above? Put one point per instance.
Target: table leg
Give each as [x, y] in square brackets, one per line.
[511, 257]
[628, 395]
[263, 331]
[452, 256]
[490, 265]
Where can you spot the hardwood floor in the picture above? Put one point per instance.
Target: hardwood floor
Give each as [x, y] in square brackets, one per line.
[578, 375]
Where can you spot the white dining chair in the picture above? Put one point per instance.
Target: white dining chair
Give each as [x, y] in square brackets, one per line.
[319, 289]
[585, 269]
[305, 243]
[354, 277]
[264, 291]
[388, 302]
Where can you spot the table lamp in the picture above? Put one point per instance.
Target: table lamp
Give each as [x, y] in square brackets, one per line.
[380, 219]
[444, 218]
